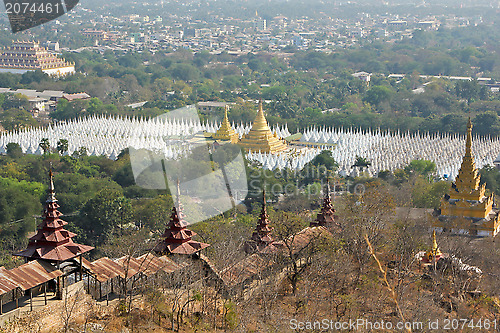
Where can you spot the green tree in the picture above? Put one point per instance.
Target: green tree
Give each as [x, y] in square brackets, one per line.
[467, 89]
[424, 168]
[62, 146]
[45, 145]
[377, 95]
[14, 150]
[362, 163]
[19, 202]
[15, 118]
[487, 123]
[102, 215]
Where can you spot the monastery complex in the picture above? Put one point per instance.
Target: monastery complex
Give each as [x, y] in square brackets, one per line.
[25, 56]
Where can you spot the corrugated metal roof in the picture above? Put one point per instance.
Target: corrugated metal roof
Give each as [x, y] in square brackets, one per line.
[129, 265]
[151, 264]
[7, 283]
[33, 273]
[245, 269]
[106, 269]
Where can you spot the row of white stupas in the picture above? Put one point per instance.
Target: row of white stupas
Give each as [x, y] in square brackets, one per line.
[390, 151]
[293, 159]
[108, 136]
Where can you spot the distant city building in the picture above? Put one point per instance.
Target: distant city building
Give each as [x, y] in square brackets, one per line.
[191, 32]
[397, 25]
[261, 25]
[210, 107]
[428, 25]
[52, 46]
[25, 56]
[363, 76]
[76, 97]
[95, 34]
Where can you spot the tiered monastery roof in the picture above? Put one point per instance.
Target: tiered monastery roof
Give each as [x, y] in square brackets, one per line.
[52, 242]
[261, 237]
[177, 238]
[326, 217]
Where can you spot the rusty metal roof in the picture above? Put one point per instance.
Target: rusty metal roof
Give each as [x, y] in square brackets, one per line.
[7, 282]
[151, 264]
[129, 265]
[245, 269]
[106, 269]
[33, 273]
[257, 263]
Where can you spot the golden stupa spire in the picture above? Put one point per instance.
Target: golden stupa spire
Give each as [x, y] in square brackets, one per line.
[260, 138]
[260, 122]
[435, 249]
[468, 176]
[434, 252]
[468, 142]
[225, 131]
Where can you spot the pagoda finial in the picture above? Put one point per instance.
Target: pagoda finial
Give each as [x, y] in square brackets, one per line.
[226, 109]
[263, 199]
[435, 248]
[51, 181]
[178, 198]
[468, 142]
[434, 253]
[51, 195]
[328, 189]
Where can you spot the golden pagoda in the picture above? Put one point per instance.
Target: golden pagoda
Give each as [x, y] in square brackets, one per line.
[260, 138]
[467, 199]
[225, 131]
[434, 253]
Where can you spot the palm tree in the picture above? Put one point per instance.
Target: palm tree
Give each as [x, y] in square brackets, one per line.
[361, 163]
[62, 146]
[45, 145]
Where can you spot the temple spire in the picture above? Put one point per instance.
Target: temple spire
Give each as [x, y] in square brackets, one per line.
[177, 238]
[434, 253]
[51, 195]
[468, 142]
[260, 138]
[326, 217]
[52, 242]
[261, 237]
[468, 178]
[225, 131]
[467, 199]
